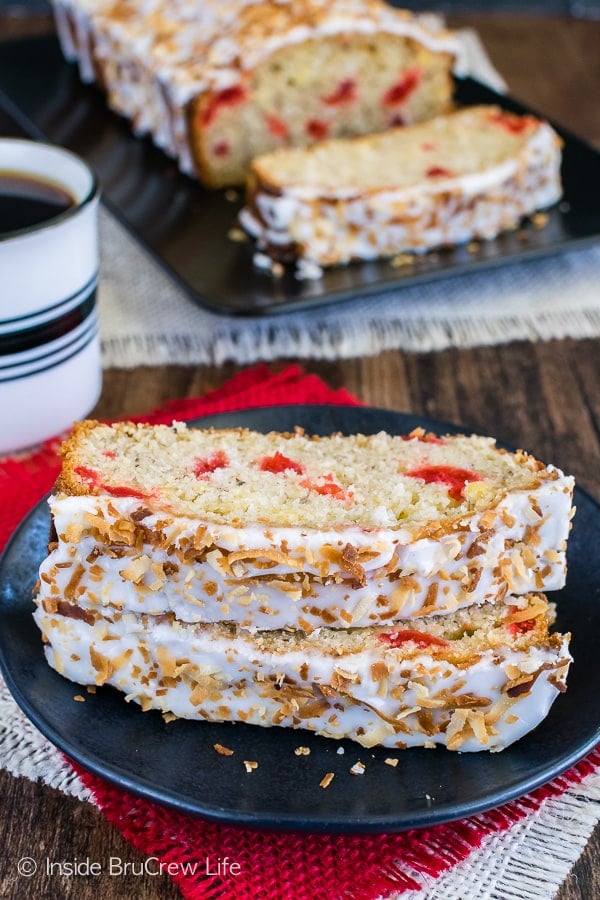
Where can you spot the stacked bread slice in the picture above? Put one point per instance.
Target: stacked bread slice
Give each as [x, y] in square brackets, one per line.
[467, 175]
[383, 588]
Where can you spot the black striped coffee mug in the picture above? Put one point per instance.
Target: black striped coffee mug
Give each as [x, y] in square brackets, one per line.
[50, 372]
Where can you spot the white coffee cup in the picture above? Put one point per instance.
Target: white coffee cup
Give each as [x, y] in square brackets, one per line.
[50, 370]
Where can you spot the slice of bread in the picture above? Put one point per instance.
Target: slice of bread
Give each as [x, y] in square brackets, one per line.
[470, 680]
[288, 530]
[469, 174]
[217, 83]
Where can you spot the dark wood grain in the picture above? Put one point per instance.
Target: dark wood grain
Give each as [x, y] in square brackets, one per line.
[544, 397]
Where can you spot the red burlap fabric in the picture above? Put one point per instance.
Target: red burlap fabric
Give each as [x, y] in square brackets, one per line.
[272, 866]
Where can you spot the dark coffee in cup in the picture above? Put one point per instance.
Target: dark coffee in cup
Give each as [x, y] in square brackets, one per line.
[26, 201]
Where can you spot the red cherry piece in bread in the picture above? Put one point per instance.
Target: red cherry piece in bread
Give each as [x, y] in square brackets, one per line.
[518, 628]
[278, 462]
[345, 92]
[317, 129]
[452, 476]
[277, 126]
[221, 148]
[420, 638]
[328, 488]
[438, 172]
[229, 97]
[93, 480]
[399, 92]
[510, 122]
[203, 466]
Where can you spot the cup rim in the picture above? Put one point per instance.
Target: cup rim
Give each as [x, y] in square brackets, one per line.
[92, 194]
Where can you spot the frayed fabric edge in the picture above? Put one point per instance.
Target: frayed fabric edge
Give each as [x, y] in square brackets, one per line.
[249, 343]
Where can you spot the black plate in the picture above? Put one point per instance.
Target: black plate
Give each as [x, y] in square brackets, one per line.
[186, 226]
[176, 764]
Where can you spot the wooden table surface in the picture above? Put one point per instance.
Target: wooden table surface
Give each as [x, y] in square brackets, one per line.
[543, 396]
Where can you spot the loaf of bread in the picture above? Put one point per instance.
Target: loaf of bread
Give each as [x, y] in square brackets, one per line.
[469, 680]
[470, 174]
[217, 82]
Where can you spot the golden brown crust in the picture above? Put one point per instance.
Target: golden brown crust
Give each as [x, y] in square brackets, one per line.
[68, 482]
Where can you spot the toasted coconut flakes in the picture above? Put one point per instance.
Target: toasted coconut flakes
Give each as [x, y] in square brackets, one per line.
[79, 698]
[552, 555]
[358, 768]
[250, 765]
[72, 533]
[340, 751]
[169, 717]
[273, 557]
[390, 761]
[326, 780]
[302, 751]
[50, 605]
[402, 259]
[361, 608]
[224, 751]
[101, 664]
[136, 570]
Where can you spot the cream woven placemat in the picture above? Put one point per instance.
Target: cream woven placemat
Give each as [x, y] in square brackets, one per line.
[146, 319]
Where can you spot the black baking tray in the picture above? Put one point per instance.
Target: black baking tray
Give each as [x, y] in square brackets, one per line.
[186, 227]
